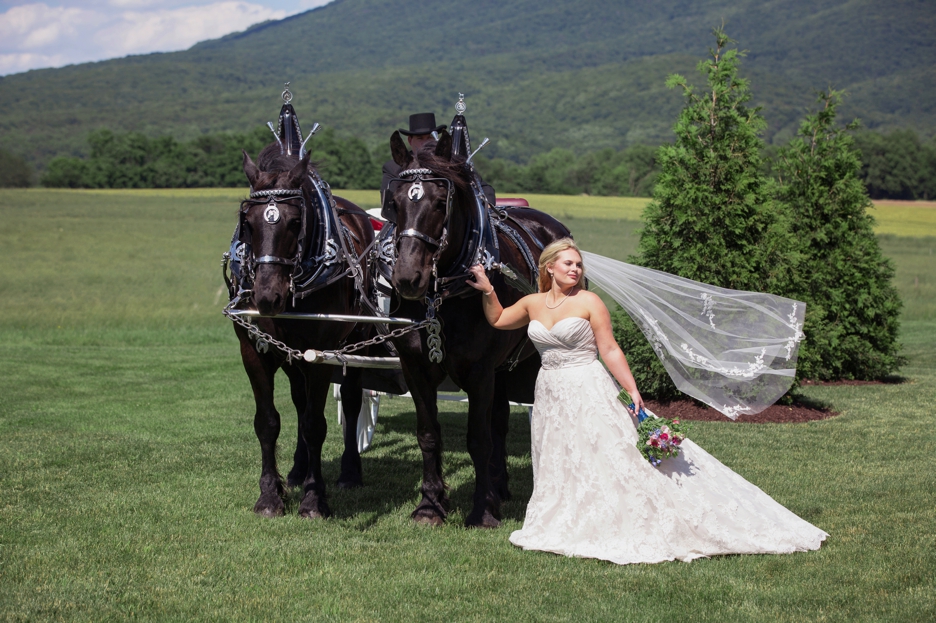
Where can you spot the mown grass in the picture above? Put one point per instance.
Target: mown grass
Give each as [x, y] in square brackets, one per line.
[129, 467]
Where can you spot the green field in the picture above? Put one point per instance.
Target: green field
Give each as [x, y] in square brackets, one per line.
[129, 467]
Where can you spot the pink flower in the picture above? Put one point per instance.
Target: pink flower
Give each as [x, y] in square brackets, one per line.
[664, 436]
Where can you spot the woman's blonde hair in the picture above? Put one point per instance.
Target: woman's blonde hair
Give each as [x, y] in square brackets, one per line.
[549, 256]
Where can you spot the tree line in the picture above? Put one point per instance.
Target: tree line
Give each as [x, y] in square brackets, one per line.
[133, 160]
[895, 165]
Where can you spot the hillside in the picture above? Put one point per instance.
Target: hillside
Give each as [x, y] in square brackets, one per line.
[582, 74]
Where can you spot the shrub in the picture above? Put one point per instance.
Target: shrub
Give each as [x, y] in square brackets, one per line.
[852, 321]
[712, 218]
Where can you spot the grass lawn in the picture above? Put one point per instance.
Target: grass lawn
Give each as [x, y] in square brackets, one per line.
[129, 466]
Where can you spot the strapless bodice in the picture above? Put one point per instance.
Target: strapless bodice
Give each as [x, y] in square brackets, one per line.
[569, 343]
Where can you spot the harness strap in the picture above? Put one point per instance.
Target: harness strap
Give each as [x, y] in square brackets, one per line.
[516, 222]
[415, 233]
[272, 259]
[521, 245]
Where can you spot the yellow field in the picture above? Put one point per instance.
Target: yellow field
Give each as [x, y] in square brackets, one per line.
[900, 218]
[905, 218]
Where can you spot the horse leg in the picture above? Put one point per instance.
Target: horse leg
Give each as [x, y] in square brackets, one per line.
[479, 385]
[314, 428]
[261, 371]
[433, 508]
[351, 400]
[500, 420]
[297, 388]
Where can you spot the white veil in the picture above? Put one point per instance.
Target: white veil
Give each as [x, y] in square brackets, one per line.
[735, 351]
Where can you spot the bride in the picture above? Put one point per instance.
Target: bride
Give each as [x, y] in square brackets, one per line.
[594, 495]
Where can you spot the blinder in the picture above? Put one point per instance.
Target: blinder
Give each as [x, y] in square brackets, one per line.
[388, 211]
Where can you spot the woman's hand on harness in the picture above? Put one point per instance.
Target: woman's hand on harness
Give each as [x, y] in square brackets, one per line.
[481, 281]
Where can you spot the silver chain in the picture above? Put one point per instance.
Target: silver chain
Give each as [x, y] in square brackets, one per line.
[265, 340]
[434, 339]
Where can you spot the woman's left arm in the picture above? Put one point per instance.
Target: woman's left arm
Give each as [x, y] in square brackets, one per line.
[608, 348]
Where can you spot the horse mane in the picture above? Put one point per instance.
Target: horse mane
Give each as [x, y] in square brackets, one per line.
[455, 170]
[273, 160]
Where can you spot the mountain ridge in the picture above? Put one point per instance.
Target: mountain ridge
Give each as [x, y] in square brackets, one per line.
[583, 75]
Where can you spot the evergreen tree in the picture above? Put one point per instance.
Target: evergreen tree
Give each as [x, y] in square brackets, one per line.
[852, 305]
[15, 172]
[712, 218]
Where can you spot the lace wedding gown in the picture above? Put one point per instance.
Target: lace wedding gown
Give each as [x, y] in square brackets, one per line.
[595, 496]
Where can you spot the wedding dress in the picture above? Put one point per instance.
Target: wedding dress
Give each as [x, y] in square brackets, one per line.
[595, 496]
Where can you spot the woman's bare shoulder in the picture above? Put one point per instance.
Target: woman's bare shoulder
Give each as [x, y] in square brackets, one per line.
[590, 298]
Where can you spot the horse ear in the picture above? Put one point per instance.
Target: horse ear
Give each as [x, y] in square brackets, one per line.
[398, 149]
[299, 172]
[443, 147]
[250, 169]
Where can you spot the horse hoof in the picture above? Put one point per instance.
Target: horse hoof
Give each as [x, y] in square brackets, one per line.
[314, 509]
[487, 520]
[269, 508]
[428, 515]
[428, 520]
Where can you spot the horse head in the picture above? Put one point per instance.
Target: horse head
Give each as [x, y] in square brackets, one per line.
[428, 215]
[272, 222]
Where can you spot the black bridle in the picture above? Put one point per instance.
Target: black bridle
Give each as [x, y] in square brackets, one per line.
[272, 216]
[420, 175]
[415, 178]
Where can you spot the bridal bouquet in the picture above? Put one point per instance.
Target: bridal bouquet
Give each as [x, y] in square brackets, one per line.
[657, 438]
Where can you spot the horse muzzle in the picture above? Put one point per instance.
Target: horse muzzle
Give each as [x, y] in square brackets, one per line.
[271, 289]
[412, 287]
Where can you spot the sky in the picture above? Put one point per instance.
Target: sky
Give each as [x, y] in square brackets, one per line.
[55, 33]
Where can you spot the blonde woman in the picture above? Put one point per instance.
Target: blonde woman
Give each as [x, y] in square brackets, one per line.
[594, 495]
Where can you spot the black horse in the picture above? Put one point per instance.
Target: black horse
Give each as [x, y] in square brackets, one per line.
[439, 232]
[292, 235]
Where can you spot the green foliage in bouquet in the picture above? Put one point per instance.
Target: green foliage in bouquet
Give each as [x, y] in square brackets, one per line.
[852, 305]
[657, 438]
[660, 438]
[712, 218]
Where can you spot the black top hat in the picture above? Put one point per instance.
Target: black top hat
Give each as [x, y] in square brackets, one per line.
[422, 123]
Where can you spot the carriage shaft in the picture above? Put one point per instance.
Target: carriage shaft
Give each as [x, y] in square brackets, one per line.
[333, 317]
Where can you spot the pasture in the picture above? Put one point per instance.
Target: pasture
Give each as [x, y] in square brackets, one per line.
[129, 466]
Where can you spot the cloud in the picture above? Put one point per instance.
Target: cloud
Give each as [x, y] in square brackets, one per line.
[38, 35]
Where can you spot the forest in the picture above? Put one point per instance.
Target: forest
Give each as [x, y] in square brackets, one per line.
[895, 165]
